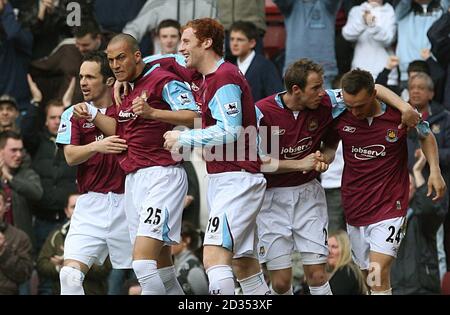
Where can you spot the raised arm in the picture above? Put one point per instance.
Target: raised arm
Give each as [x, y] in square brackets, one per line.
[410, 116]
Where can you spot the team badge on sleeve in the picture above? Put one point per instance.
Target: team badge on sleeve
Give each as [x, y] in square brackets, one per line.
[232, 109]
[62, 128]
[184, 98]
[338, 95]
[392, 135]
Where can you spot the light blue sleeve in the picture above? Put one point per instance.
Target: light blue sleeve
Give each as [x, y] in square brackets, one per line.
[178, 58]
[226, 109]
[337, 102]
[178, 95]
[423, 129]
[259, 117]
[65, 127]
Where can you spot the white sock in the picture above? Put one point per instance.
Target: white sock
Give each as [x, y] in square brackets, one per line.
[288, 292]
[387, 292]
[148, 277]
[221, 280]
[169, 278]
[254, 285]
[322, 290]
[71, 281]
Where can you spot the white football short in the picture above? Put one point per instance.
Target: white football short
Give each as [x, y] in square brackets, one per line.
[99, 227]
[293, 219]
[234, 200]
[382, 237]
[154, 200]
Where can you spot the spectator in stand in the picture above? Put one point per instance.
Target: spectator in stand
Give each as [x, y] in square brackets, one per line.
[8, 113]
[416, 269]
[414, 18]
[57, 74]
[49, 24]
[190, 272]
[253, 11]
[439, 35]
[372, 26]
[168, 36]
[15, 252]
[155, 11]
[113, 15]
[260, 73]
[19, 182]
[345, 276]
[51, 257]
[316, 19]
[57, 178]
[15, 54]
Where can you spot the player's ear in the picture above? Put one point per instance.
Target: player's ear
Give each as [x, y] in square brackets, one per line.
[110, 81]
[374, 94]
[138, 56]
[207, 43]
[296, 89]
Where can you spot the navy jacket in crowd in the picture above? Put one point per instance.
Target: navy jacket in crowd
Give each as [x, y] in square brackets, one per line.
[263, 77]
[15, 53]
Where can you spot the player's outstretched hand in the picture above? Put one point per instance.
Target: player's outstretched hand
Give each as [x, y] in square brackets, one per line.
[80, 111]
[436, 183]
[410, 118]
[111, 145]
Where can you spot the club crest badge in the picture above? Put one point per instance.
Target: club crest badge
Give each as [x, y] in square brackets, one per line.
[313, 124]
[392, 135]
[262, 251]
[436, 128]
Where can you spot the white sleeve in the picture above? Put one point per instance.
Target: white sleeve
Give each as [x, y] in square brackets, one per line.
[355, 25]
[385, 27]
[147, 19]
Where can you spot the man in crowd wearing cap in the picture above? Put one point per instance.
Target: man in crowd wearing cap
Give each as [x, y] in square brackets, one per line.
[8, 113]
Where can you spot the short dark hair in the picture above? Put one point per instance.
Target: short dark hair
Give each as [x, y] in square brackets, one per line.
[88, 26]
[53, 102]
[248, 28]
[297, 73]
[131, 42]
[356, 80]
[101, 58]
[418, 66]
[9, 134]
[168, 23]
